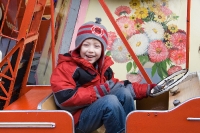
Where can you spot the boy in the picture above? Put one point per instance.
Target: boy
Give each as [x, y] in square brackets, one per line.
[83, 83]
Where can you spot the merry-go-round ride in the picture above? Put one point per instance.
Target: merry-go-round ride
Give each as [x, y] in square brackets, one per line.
[31, 108]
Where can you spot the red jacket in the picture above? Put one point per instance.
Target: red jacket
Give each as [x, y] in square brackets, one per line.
[73, 82]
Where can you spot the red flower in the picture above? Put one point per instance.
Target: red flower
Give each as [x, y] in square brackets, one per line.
[135, 77]
[140, 21]
[166, 10]
[122, 10]
[126, 25]
[157, 51]
[178, 40]
[178, 56]
[174, 69]
[111, 37]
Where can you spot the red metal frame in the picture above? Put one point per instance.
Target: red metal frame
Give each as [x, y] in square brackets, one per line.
[52, 34]
[27, 33]
[188, 33]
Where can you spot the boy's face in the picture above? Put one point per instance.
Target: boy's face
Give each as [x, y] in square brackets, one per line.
[91, 50]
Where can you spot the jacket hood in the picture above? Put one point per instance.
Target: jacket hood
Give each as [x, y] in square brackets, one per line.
[64, 58]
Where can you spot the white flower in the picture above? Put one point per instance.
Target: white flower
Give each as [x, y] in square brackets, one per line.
[139, 43]
[154, 30]
[119, 52]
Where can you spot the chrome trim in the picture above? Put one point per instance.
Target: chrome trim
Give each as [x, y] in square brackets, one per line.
[193, 119]
[39, 107]
[27, 125]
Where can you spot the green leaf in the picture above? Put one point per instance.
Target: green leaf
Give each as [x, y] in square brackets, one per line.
[143, 59]
[164, 65]
[129, 66]
[159, 70]
[108, 53]
[164, 68]
[164, 72]
[154, 69]
[134, 66]
[175, 17]
[169, 62]
[164, 26]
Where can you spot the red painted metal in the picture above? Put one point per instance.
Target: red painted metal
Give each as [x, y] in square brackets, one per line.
[135, 58]
[4, 18]
[62, 121]
[171, 121]
[28, 32]
[52, 34]
[188, 34]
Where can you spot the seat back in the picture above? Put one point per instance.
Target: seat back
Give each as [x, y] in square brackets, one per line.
[48, 103]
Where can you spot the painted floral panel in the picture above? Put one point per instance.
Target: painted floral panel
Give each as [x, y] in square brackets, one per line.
[151, 30]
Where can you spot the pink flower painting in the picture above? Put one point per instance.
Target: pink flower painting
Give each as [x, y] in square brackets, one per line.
[152, 32]
[126, 25]
[174, 69]
[178, 56]
[122, 10]
[178, 40]
[134, 77]
[111, 37]
[157, 51]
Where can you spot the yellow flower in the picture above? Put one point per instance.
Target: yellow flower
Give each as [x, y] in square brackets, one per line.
[148, 1]
[132, 17]
[167, 36]
[138, 26]
[159, 17]
[141, 13]
[134, 4]
[168, 45]
[154, 7]
[173, 28]
[129, 56]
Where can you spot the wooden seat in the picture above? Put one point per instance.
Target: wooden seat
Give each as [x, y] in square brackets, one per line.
[49, 104]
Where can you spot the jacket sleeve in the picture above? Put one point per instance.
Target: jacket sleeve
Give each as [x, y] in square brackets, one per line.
[141, 90]
[138, 90]
[67, 95]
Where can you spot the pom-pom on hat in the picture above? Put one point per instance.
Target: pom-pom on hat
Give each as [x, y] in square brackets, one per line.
[92, 30]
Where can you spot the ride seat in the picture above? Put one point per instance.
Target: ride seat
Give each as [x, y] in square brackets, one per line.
[49, 104]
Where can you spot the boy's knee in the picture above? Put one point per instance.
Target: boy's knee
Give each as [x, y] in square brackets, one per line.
[125, 93]
[111, 102]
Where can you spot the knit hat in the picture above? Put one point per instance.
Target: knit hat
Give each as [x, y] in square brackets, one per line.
[92, 30]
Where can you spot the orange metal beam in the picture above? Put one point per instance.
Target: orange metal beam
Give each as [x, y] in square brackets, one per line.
[28, 32]
[52, 36]
[4, 17]
[27, 19]
[135, 58]
[188, 34]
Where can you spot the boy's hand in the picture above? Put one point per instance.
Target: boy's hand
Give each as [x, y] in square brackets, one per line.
[154, 88]
[102, 89]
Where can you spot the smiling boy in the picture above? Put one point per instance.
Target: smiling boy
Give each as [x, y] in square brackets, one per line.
[83, 83]
[91, 50]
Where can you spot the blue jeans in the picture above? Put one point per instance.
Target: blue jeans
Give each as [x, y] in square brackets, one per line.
[110, 110]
